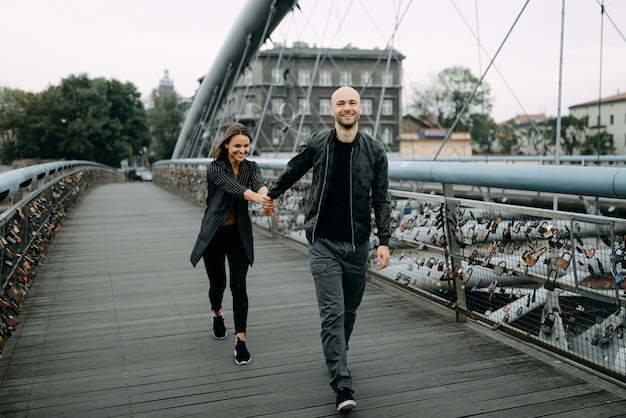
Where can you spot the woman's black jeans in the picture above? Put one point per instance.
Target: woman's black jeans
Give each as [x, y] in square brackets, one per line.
[227, 244]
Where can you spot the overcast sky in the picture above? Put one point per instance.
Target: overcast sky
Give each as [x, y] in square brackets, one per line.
[44, 41]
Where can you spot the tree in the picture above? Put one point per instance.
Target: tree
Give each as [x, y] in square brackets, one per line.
[87, 119]
[449, 94]
[165, 119]
[507, 137]
[602, 143]
[572, 133]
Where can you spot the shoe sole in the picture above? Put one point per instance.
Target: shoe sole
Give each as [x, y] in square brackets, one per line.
[345, 405]
[220, 338]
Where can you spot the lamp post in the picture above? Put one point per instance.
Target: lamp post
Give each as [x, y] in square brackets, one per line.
[56, 143]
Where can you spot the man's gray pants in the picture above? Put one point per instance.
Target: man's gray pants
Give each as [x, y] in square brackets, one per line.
[339, 272]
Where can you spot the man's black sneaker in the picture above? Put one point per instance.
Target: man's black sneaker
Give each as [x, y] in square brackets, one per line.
[219, 330]
[345, 400]
[242, 356]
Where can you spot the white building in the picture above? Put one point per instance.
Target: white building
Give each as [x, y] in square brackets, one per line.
[612, 111]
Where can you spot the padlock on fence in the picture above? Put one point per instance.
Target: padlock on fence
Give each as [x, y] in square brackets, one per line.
[590, 253]
[550, 231]
[617, 277]
[431, 262]
[530, 257]
[499, 268]
[542, 228]
[551, 285]
[467, 275]
[548, 258]
[564, 260]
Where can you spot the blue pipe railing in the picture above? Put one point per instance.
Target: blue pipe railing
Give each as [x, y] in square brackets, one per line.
[11, 182]
[592, 181]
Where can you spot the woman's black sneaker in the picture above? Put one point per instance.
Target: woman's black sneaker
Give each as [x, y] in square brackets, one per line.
[219, 330]
[242, 356]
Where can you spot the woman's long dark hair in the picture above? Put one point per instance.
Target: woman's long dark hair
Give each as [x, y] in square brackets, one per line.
[234, 129]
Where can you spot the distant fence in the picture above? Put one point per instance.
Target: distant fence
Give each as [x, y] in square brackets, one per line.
[553, 278]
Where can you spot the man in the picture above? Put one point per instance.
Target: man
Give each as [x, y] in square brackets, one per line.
[349, 178]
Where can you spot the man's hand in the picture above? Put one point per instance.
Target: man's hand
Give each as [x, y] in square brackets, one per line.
[382, 257]
[268, 206]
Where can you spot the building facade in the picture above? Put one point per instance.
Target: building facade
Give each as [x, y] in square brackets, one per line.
[421, 140]
[284, 95]
[608, 115]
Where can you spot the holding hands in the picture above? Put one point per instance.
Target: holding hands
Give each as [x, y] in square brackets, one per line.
[268, 205]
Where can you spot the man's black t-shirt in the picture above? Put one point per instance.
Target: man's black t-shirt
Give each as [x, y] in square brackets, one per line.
[334, 220]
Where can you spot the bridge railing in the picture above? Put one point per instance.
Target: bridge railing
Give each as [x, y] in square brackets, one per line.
[35, 201]
[550, 277]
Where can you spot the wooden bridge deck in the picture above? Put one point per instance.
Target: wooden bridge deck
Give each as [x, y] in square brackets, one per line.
[117, 324]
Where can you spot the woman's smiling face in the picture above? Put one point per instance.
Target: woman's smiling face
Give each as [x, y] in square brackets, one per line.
[238, 148]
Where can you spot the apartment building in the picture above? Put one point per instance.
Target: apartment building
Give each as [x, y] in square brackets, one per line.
[284, 95]
[608, 115]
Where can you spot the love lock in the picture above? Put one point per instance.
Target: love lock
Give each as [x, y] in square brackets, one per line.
[617, 277]
[547, 324]
[468, 275]
[499, 268]
[530, 257]
[430, 262]
[548, 258]
[551, 285]
[590, 253]
[542, 228]
[564, 260]
[549, 232]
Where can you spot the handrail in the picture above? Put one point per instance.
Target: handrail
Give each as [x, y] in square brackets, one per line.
[12, 181]
[595, 181]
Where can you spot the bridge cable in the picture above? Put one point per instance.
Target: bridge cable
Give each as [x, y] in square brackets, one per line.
[449, 133]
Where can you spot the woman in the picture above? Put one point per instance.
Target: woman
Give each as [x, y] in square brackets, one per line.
[226, 230]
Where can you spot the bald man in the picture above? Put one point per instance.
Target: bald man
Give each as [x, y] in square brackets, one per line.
[349, 181]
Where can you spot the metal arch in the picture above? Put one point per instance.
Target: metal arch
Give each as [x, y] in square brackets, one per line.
[256, 22]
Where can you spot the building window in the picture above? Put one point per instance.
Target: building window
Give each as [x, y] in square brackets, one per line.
[346, 78]
[367, 129]
[305, 132]
[276, 135]
[304, 108]
[324, 106]
[367, 107]
[249, 77]
[388, 79]
[611, 119]
[277, 77]
[249, 106]
[387, 107]
[366, 78]
[277, 106]
[326, 78]
[387, 135]
[304, 77]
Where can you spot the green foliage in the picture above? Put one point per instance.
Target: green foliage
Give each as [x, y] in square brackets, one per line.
[85, 119]
[572, 133]
[443, 100]
[165, 119]
[601, 143]
[506, 136]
